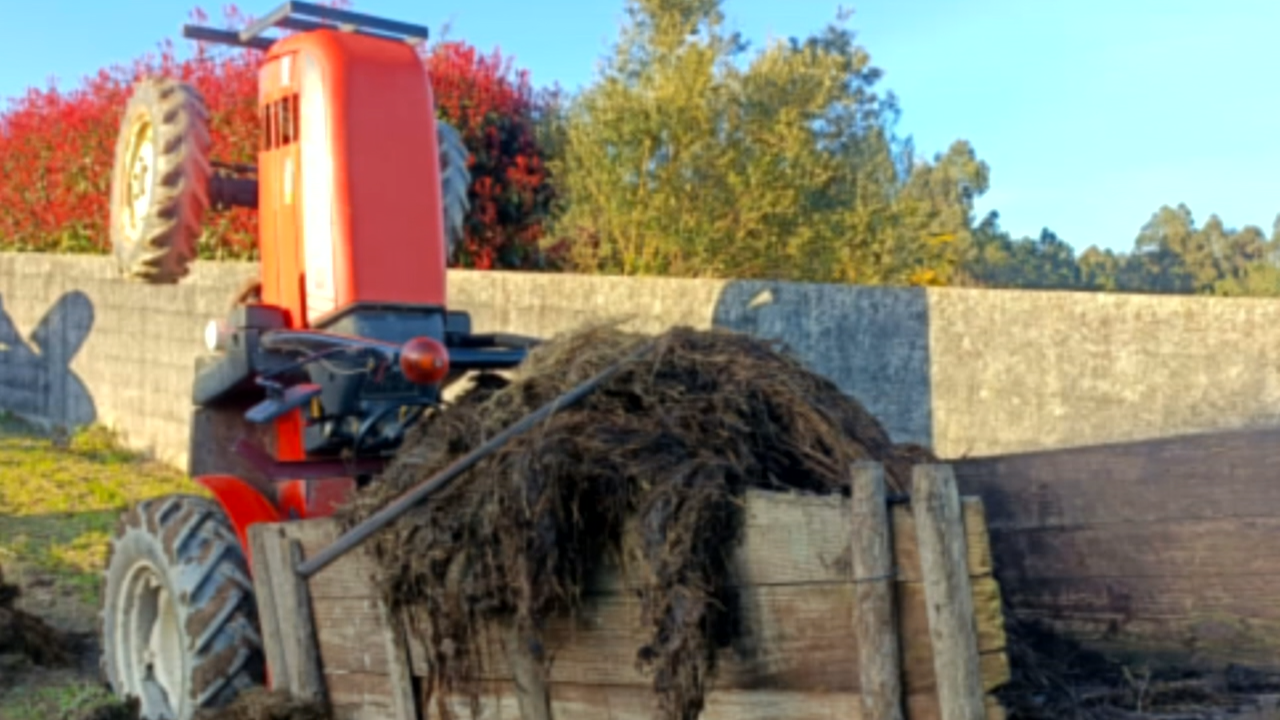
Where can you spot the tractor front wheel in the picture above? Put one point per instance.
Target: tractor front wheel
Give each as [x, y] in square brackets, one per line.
[179, 622]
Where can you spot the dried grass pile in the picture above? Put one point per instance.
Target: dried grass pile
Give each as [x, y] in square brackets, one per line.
[647, 471]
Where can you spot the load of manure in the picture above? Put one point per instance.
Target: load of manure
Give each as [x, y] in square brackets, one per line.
[648, 472]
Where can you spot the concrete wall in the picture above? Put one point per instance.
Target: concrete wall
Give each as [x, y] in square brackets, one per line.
[966, 372]
[79, 345]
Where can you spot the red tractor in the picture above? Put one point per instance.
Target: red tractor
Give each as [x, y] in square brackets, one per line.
[343, 343]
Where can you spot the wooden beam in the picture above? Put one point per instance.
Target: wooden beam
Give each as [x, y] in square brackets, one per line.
[1169, 548]
[948, 593]
[794, 638]
[399, 668]
[796, 571]
[263, 573]
[797, 636]
[297, 628]
[364, 697]
[787, 539]
[361, 696]
[879, 657]
[595, 702]
[529, 675]
[1226, 474]
[1144, 549]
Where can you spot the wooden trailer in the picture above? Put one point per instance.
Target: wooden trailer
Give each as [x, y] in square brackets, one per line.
[867, 608]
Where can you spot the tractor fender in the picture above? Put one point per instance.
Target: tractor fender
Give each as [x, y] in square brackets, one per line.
[244, 504]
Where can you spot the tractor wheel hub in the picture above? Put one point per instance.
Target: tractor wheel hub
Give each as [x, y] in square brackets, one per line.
[149, 643]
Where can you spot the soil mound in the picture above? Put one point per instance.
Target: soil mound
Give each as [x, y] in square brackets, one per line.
[128, 709]
[647, 471]
[255, 704]
[263, 704]
[1055, 678]
[26, 638]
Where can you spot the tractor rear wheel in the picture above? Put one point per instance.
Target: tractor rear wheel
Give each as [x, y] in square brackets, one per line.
[160, 181]
[179, 623]
[455, 183]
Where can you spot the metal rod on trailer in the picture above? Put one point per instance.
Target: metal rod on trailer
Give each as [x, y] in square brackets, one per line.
[393, 510]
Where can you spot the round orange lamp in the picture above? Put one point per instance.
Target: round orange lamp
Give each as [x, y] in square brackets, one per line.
[424, 361]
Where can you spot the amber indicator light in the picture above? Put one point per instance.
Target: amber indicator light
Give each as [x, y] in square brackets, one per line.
[424, 361]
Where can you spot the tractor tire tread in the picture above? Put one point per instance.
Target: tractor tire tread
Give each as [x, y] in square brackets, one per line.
[215, 595]
[170, 232]
[455, 184]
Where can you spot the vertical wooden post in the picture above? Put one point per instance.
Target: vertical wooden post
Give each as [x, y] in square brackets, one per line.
[293, 610]
[879, 654]
[948, 592]
[399, 663]
[531, 684]
[264, 596]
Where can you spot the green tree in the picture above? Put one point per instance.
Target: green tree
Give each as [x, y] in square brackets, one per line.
[687, 157]
[1172, 255]
[997, 260]
[1100, 269]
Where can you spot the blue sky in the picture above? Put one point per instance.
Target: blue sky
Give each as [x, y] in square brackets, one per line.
[1091, 113]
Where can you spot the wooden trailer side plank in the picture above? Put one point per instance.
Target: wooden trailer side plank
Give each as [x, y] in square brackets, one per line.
[530, 682]
[297, 629]
[262, 571]
[795, 634]
[788, 539]
[796, 637]
[948, 594]
[876, 633]
[399, 671]
[1227, 474]
[1192, 548]
[362, 696]
[593, 702]
[1144, 549]
[797, 567]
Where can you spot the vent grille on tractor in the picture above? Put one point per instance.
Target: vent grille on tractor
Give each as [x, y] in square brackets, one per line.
[280, 124]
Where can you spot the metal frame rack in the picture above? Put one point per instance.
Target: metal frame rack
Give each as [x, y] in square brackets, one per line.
[305, 16]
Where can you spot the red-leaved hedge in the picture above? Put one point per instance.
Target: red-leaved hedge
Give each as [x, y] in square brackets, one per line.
[56, 150]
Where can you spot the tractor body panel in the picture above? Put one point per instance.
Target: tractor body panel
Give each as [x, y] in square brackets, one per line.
[279, 178]
[349, 193]
[349, 208]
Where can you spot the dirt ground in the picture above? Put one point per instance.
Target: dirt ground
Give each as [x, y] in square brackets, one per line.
[1057, 679]
[46, 671]
[59, 498]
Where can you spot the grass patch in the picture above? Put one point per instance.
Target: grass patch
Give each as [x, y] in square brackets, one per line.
[59, 502]
[53, 698]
